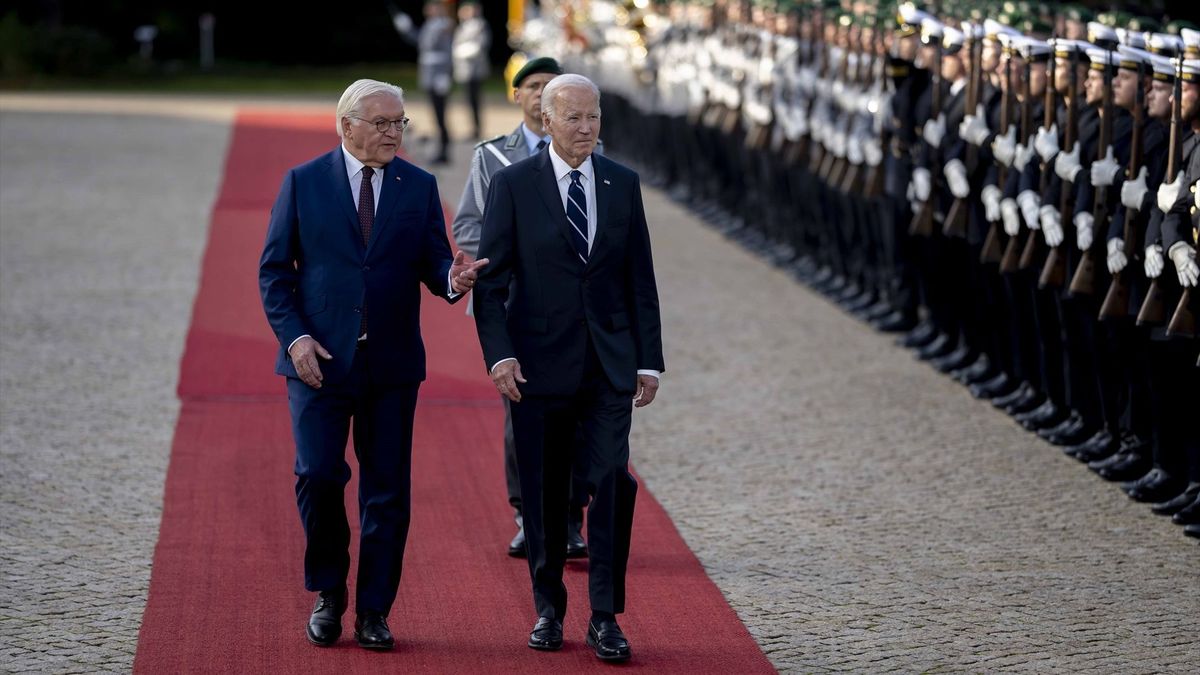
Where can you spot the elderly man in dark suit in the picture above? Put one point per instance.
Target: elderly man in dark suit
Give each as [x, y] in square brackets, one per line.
[567, 314]
[353, 234]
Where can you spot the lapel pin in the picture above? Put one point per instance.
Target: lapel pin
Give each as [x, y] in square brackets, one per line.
[606, 182]
[397, 179]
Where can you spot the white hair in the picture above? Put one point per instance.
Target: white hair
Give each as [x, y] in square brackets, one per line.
[348, 105]
[562, 82]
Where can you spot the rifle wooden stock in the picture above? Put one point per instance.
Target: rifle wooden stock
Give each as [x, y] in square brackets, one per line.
[1032, 251]
[992, 251]
[922, 222]
[1116, 301]
[874, 181]
[1154, 307]
[1084, 281]
[1010, 261]
[1183, 321]
[956, 219]
[1054, 270]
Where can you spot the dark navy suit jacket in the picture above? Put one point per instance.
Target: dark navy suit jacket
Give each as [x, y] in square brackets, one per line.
[557, 302]
[316, 275]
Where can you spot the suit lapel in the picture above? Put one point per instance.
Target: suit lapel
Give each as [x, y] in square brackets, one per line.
[389, 194]
[341, 191]
[548, 190]
[603, 197]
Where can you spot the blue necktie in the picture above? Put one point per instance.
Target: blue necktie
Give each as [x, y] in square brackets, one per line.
[577, 215]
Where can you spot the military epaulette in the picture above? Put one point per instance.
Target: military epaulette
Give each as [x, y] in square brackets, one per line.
[491, 140]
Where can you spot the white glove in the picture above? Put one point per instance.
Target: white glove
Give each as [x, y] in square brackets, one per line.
[934, 130]
[956, 176]
[1169, 192]
[1005, 146]
[1051, 225]
[854, 149]
[974, 128]
[1022, 156]
[1154, 261]
[872, 152]
[1116, 255]
[1133, 192]
[1083, 230]
[1046, 142]
[991, 203]
[839, 144]
[1011, 216]
[921, 184]
[1184, 257]
[1104, 171]
[402, 22]
[1030, 203]
[1066, 165]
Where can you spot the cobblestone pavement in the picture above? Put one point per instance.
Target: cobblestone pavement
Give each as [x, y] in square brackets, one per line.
[860, 512]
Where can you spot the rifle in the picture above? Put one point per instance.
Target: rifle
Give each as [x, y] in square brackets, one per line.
[1084, 281]
[922, 222]
[875, 175]
[1054, 270]
[1012, 252]
[956, 217]
[1035, 243]
[1116, 301]
[991, 244]
[833, 177]
[1153, 311]
[852, 182]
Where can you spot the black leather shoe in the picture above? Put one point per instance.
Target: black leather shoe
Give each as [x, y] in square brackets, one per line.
[1170, 507]
[1046, 416]
[1022, 391]
[325, 622]
[1155, 486]
[1133, 465]
[1027, 405]
[941, 346]
[1096, 449]
[1188, 515]
[576, 544]
[1071, 424]
[1192, 531]
[546, 635]
[516, 547]
[955, 360]
[977, 371]
[877, 311]
[921, 334]
[895, 322]
[608, 641]
[372, 632]
[999, 385]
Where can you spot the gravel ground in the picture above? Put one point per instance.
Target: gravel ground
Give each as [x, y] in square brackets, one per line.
[860, 512]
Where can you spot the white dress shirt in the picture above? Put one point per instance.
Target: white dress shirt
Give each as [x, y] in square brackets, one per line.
[562, 176]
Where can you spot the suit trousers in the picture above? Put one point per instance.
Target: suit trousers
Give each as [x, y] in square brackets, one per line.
[546, 429]
[382, 417]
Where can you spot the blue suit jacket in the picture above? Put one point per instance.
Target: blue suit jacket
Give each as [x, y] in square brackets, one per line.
[556, 303]
[316, 275]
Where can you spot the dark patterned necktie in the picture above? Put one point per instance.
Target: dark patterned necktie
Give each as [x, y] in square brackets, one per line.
[540, 146]
[366, 220]
[366, 204]
[577, 215]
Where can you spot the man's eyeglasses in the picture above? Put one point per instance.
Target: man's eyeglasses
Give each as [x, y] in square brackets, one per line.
[382, 126]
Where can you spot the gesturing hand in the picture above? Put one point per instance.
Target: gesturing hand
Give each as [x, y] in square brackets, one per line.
[647, 389]
[505, 376]
[304, 357]
[464, 272]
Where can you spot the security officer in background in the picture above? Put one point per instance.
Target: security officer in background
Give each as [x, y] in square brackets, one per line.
[528, 139]
[472, 40]
[434, 42]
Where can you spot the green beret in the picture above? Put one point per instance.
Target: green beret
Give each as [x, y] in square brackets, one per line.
[542, 64]
[1144, 24]
[1078, 13]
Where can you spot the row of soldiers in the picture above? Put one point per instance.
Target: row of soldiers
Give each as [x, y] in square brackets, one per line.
[1012, 187]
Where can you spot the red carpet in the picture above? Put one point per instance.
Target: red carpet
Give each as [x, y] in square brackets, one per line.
[226, 592]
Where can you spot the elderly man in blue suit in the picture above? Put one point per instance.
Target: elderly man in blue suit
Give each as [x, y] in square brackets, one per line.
[353, 234]
[567, 314]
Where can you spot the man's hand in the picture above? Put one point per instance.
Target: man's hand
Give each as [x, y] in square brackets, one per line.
[1154, 261]
[1184, 257]
[934, 130]
[1104, 171]
[1083, 230]
[505, 376]
[974, 128]
[1116, 255]
[1133, 192]
[1066, 164]
[1051, 225]
[1010, 216]
[304, 355]
[647, 389]
[1169, 192]
[956, 176]
[464, 272]
[1046, 142]
[1004, 147]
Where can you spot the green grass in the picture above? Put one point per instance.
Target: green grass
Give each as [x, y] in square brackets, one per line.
[235, 78]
